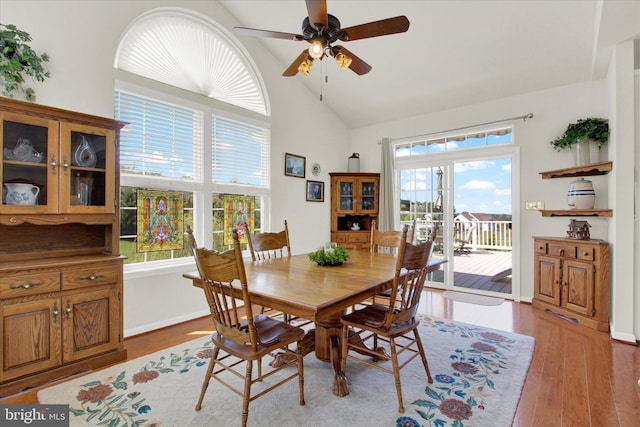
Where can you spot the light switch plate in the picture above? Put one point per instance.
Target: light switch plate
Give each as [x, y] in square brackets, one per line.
[534, 205]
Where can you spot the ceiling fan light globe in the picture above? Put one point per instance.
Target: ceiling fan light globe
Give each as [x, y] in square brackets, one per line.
[316, 50]
[343, 60]
[305, 67]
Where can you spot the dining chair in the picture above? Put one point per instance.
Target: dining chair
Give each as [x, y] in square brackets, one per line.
[239, 335]
[388, 242]
[269, 245]
[384, 241]
[395, 323]
[264, 246]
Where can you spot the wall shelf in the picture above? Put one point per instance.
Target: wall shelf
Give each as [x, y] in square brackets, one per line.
[578, 212]
[593, 169]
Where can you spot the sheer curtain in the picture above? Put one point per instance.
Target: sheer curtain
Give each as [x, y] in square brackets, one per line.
[386, 220]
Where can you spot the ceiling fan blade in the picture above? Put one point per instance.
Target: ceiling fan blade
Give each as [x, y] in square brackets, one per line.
[293, 68]
[317, 10]
[384, 27]
[358, 66]
[243, 31]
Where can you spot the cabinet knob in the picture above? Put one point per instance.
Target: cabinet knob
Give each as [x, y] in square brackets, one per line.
[55, 312]
[54, 165]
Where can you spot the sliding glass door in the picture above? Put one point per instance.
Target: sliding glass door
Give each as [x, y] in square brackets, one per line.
[464, 204]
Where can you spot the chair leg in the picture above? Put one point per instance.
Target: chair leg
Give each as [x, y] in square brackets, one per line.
[396, 373]
[207, 377]
[247, 393]
[345, 348]
[300, 372]
[423, 355]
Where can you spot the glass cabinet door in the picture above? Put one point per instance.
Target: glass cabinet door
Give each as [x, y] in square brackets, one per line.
[29, 164]
[88, 179]
[368, 193]
[347, 195]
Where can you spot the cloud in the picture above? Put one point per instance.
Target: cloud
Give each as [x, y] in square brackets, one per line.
[478, 185]
[473, 166]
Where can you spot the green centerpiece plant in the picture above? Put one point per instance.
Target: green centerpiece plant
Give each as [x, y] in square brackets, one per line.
[18, 60]
[335, 255]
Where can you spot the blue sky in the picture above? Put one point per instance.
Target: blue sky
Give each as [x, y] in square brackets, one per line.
[483, 186]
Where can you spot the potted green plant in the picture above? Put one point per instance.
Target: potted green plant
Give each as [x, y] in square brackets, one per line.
[593, 128]
[18, 60]
[334, 255]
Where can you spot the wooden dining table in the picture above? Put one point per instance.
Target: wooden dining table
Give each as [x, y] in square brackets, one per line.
[322, 294]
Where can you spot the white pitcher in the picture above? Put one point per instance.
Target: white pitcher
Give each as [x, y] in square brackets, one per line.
[22, 194]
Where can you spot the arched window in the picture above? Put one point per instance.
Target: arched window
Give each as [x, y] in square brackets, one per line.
[191, 52]
[205, 150]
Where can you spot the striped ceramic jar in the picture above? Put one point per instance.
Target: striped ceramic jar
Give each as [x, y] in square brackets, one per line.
[581, 194]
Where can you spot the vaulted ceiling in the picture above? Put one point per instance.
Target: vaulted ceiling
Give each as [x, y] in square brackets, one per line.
[455, 53]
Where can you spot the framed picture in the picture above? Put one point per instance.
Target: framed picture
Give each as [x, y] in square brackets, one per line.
[315, 191]
[294, 165]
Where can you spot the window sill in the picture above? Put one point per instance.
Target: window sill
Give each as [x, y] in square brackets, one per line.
[156, 268]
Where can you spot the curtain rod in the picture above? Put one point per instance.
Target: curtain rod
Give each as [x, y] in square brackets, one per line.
[523, 118]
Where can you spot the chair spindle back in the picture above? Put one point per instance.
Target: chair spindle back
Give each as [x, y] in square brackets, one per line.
[268, 245]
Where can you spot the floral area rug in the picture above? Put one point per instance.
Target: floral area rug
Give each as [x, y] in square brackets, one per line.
[478, 377]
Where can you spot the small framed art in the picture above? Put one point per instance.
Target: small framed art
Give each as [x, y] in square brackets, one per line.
[315, 191]
[294, 165]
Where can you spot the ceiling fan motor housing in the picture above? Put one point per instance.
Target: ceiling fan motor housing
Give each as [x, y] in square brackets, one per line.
[330, 34]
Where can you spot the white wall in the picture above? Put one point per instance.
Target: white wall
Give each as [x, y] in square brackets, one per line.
[81, 38]
[553, 109]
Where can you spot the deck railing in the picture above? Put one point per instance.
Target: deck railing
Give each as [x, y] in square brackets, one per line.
[488, 235]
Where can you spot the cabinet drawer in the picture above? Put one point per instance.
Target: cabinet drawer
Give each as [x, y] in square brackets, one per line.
[567, 251]
[89, 276]
[29, 283]
[586, 253]
[358, 238]
[541, 248]
[341, 238]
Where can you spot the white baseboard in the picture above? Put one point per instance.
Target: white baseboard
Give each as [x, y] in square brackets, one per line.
[622, 336]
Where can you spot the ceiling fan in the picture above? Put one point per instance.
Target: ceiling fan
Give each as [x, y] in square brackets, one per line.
[321, 30]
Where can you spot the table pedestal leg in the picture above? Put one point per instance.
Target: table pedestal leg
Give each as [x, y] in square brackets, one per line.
[328, 348]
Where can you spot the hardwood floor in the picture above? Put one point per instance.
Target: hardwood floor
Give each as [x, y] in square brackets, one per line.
[578, 376]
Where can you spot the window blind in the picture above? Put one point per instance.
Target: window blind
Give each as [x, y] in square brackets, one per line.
[161, 139]
[240, 153]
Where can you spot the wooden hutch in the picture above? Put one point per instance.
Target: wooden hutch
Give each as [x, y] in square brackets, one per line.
[354, 200]
[61, 272]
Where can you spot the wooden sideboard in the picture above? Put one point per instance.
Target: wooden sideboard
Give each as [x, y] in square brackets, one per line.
[61, 272]
[571, 278]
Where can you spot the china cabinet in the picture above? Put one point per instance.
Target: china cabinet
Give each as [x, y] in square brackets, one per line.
[354, 206]
[571, 278]
[60, 263]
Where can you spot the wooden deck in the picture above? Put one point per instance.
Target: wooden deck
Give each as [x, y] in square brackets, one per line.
[476, 270]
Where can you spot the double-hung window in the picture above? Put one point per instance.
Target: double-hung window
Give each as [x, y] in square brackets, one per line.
[193, 149]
